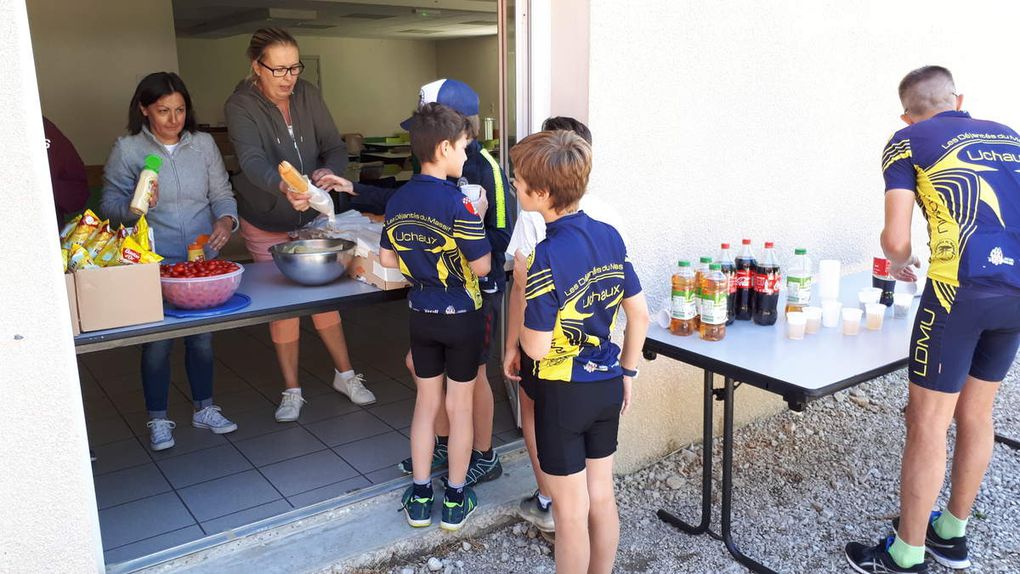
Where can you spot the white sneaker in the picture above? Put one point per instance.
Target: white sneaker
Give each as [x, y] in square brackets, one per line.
[210, 418]
[161, 435]
[353, 387]
[290, 407]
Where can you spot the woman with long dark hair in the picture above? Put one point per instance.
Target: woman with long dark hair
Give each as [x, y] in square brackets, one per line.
[193, 198]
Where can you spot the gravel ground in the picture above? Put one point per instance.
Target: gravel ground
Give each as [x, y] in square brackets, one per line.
[804, 485]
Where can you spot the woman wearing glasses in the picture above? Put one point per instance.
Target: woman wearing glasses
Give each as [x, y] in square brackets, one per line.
[272, 116]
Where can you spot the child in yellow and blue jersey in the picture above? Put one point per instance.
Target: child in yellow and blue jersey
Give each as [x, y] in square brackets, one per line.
[435, 236]
[577, 280]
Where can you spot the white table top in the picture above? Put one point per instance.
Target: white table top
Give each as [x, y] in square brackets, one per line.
[816, 366]
[273, 297]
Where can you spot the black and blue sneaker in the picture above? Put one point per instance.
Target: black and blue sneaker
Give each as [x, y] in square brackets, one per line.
[481, 469]
[439, 458]
[949, 552]
[417, 507]
[876, 559]
[456, 512]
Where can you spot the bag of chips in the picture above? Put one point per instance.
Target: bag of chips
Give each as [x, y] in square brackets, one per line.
[141, 234]
[79, 259]
[83, 230]
[68, 228]
[130, 253]
[99, 239]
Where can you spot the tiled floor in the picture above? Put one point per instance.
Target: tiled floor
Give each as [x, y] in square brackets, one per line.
[149, 501]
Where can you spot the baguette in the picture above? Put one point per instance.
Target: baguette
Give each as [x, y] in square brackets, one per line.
[292, 177]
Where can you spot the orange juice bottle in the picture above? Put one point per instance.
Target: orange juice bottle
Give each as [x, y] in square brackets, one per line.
[683, 316]
[714, 293]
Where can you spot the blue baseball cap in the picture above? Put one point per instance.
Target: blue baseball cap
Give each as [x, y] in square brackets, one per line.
[451, 93]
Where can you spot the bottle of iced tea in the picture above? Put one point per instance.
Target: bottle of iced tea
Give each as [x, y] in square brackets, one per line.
[700, 270]
[714, 294]
[683, 317]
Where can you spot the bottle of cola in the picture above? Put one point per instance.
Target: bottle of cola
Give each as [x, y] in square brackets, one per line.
[729, 269]
[766, 287]
[743, 278]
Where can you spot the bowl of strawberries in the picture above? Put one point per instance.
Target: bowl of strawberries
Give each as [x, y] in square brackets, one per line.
[199, 284]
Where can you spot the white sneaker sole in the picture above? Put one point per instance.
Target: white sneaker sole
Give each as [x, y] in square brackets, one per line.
[162, 445]
[280, 419]
[344, 393]
[216, 430]
[948, 563]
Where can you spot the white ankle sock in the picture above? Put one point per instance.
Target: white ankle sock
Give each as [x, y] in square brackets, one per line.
[296, 391]
[346, 374]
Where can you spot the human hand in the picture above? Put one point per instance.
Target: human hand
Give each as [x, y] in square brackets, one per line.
[154, 198]
[336, 183]
[905, 272]
[222, 230]
[320, 173]
[298, 200]
[627, 382]
[520, 268]
[512, 364]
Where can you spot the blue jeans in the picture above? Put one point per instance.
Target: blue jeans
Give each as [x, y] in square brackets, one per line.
[198, 361]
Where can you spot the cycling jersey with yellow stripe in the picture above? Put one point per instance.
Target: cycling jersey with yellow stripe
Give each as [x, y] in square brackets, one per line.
[577, 278]
[435, 233]
[966, 177]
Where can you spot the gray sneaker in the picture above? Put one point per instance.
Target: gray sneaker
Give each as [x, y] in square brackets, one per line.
[290, 408]
[161, 433]
[531, 510]
[210, 418]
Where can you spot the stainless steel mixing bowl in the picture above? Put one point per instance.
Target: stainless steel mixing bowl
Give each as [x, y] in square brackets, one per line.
[313, 261]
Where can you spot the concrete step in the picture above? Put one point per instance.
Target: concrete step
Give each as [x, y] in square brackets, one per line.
[345, 534]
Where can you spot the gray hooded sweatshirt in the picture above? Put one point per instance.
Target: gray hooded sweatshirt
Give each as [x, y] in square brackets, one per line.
[261, 141]
[193, 189]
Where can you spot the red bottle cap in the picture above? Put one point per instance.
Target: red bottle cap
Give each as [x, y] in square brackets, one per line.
[745, 241]
[769, 245]
[725, 245]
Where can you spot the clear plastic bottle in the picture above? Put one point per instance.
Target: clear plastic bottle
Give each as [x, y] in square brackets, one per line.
[729, 269]
[683, 317]
[798, 281]
[714, 293]
[700, 270]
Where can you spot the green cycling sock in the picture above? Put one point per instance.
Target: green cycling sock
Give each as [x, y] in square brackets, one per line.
[906, 555]
[948, 526]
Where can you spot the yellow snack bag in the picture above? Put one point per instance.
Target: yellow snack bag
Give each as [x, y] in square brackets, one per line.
[99, 239]
[79, 259]
[64, 254]
[130, 253]
[68, 228]
[84, 229]
[107, 256]
[141, 234]
[123, 232]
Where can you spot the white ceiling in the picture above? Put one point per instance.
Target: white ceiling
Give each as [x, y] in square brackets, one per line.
[407, 19]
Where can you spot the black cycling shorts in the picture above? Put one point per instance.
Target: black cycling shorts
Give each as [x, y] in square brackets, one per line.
[448, 344]
[575, 422]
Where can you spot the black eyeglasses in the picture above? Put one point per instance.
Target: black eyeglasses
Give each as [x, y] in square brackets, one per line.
[281, 72]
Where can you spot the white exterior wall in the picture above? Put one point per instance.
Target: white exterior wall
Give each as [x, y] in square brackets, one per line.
[715, 120]
[49, 522]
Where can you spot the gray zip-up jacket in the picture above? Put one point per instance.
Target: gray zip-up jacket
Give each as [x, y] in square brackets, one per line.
[194, 190]
[261, 141]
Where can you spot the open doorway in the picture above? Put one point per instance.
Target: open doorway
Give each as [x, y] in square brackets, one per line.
[369, 60]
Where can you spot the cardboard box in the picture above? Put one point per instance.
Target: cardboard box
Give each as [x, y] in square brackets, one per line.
[72, 303]
[113, 297]
[367, 267]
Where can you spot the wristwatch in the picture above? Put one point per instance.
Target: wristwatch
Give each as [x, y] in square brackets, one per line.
[629, 373]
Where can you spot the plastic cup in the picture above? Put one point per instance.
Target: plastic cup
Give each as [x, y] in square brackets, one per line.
[796, 324]
[814, 319]
[901, 304]
[874, 316]
[852, 320]
[830, 312]
[869, 295]
[471, 191]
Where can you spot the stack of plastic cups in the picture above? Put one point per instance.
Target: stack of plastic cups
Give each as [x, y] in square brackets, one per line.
[828, 291]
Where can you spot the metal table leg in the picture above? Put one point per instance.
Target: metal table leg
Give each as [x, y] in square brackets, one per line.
[727, 484]
[706, 473]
